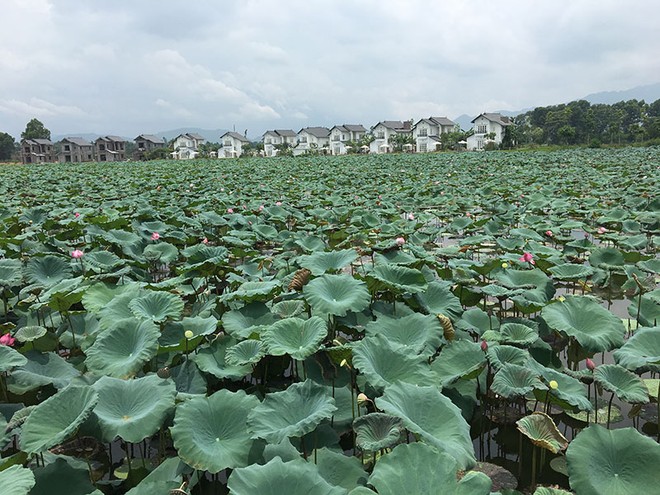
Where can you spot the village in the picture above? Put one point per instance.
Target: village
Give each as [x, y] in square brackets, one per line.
[423, 136]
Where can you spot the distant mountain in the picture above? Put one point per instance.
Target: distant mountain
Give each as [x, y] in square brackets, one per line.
[211, 135]
[648, 93]
[465, 121]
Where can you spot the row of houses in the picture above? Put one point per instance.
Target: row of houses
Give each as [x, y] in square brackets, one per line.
[423, 136]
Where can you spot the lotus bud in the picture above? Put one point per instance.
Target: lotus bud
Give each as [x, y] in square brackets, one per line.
[7, 340]
[400, 241]
[155, 236]
[77, 254]
[549, 233]
[188, 334]
[553, 384]
[484, 345]
[343, 363]
[590, 365]
[362, 399]
[561, 299]
[163, 373]
[505, 265]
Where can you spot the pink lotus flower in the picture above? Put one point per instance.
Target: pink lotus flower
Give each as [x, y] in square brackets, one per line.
[77, 254]
[76, 214]
[279, 203]
[400, 241]
[205, 241]
[261, 207]
[484, 345]
[468, 214]
[549, 233]
[590, 364]
[7, 340]
[155, 236]
[230, 210]
[527, 258]
[411, 216]
[602, 230]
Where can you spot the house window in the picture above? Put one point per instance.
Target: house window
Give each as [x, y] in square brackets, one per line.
[480, 144]
[343, 137]
[67, 147]
[102, 147]
[481, 129]
[269, 141]
[380, 135]
[302, 139]
[423, 132]
[103, 158]
[335, 138]
[422, 147]
[227, 143]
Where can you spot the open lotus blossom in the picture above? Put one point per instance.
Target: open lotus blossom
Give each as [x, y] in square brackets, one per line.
[7, 340]
[205, 241]
[602, 230]
[590, 364]
[155, 236]
[77, 254]
[76, 214]
[230, 210]
[278, 203]
[400, 241]
[411, 216]
[527, 258]
[549, 233]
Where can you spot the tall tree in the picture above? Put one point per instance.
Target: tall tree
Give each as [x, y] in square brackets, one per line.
[7, 146]
[35, 130]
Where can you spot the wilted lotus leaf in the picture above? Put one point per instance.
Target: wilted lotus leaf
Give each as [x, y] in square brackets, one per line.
[293, 412]
[613, 462]
[294, 336]
[52, 421]
[594, 327]
[337, 294]
[277, 477]
[133, 409]
[210, 433]
[323, 261]
[17, 480]
[420, 469]
[376, 431]
[427, 412]
[542, 431]
[626, 385]
[122, 350]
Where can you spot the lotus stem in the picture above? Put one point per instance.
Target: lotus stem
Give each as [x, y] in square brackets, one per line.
[658, 401]
[609, 409]
[533, 481]
[3, 387]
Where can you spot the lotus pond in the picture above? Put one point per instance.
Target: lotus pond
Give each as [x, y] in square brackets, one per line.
[468, 323]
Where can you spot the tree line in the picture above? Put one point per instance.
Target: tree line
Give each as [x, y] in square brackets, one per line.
[582, 123]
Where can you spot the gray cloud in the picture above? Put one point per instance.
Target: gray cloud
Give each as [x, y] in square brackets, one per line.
[127, 67]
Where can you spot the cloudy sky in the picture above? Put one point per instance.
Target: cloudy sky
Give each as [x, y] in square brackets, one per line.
[128, 67]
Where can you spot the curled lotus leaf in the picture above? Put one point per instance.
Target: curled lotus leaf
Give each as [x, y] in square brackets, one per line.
[400, 278]
[245, 352]
[42, 369]
[339, 469]
[501, 355]
[458, 359]
[321, 262]
[439, 299]
[337, 294]
[30, 333]
[212, 359]
[625, 384]
[612, 462]
[17, 480]
[515, 381]
[157, 306]
[376, 431]
[415, 332]
[641, 352]
[295, 337]
[542, 431]
[571, 271]
[10, 358]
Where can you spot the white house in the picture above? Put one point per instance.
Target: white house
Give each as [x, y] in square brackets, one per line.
[427, 133]
[278, 137]
[383, 131]
[231, 145]
[186, 146]
[312, 139]
[341, 135]
[488, 127]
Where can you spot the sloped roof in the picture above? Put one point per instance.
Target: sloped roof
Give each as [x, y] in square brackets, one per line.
[442, 121]
[77, 141]
[318, 132]
[286, 132]
[150, 137]
[495, 117]
[116, 139]
[38, 141]
[196, 136]
[236, 135]
[355, 127]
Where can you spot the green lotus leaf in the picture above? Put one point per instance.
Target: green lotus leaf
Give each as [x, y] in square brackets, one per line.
[157, 306]
[296, 337]
[569, 389]
[650, 266]
[340, 470]
[515, 381]
[102, 261]
[516, 333]
[210, 433]
[500, 355]
[242, 322]
[162, 252]
[122, 237]
[420, 469]
[641, 352]
[48, 270]
[321, 262]
[607, 258]
[376, 431]
[594, 327]
[612, 462]
[133, 409]
[542, 431]
[28, 334]
[438, 299]
[17, 480]
[277, 477]
[400, 278]
[122, 350]
[212, 359]
[571, 271]
[199, 325]
[169, 470]
[522, 279]
[11, 273]
[9, 358]
[188, 379]
[433, 416]
[293, 412]
[56, 418]
[544, 490]
[415, 332]
[61, 477]
[200, 254]
[254, 291]
[98, 296]
[337, 294]
[288, 309]
[42, 369]
[383, 363]
[310, 243]
[649, 311]
[458, 359]
[245, 352]
[626, 385]
[476, 321]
